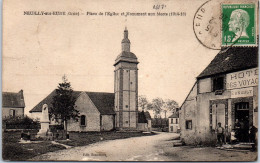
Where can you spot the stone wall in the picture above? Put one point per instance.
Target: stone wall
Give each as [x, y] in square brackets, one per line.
[85, 106]
[6, 111]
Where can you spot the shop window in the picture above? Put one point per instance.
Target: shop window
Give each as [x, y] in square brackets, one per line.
[189, 124]
[242, 106]
[218, 83]
[83, 120]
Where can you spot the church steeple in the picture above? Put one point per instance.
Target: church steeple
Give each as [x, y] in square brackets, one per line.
[126, 87]
[125, 42]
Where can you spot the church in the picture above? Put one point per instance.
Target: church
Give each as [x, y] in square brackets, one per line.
[101, 111]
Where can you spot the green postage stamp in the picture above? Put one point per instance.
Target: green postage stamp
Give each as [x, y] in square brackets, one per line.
[238, 24]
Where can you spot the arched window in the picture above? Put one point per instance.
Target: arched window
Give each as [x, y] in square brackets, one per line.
[83, 120]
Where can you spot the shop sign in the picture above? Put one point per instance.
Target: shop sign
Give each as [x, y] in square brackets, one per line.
[243, 92]
[242, 79]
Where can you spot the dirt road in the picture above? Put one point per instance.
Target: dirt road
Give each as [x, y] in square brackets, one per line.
[130, 149]
[146, 148]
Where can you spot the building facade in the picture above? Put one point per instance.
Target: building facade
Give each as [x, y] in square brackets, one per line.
[174, 123]
[126, 87]
[12, 104]
[225, 92]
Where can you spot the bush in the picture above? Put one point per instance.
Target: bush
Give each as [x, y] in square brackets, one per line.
[21, 122]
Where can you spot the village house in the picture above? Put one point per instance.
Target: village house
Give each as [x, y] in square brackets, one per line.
[108, 111]
[174, 122]
[12, 104]
[225, 92]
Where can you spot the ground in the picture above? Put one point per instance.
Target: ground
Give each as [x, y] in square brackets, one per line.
[13, 150]
[158, 147]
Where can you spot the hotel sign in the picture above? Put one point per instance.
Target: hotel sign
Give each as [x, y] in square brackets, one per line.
[242, 79]
[242, 92]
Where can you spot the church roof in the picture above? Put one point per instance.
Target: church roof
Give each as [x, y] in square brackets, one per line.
[233, 59]
[126, 57]
[13, 100]
[104, 102]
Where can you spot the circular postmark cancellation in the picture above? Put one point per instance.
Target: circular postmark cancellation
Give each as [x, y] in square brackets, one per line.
[219, 24]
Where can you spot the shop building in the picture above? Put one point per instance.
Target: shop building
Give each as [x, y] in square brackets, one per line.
[226, 91]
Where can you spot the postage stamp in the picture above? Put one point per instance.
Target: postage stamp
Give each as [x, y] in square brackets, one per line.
[238, 24]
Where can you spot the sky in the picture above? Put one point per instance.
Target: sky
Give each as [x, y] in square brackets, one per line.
[39, 50]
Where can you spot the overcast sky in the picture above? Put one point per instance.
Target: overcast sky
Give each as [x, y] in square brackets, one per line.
[38, 50]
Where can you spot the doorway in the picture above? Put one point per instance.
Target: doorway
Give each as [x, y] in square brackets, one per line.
[242, 117]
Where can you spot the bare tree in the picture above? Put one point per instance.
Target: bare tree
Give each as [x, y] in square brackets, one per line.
[171, 105]
[142, 102]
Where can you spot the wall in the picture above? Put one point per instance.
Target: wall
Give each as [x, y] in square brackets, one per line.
[175, 125]
[107, 123]
[142, 127]
[6, 111]
[188, 112]
[85, 106]
[126, 93]
[204, 85]
[36, 115]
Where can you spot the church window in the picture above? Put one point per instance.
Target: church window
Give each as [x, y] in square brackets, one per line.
[188, 124]
[126, 106]
[131, 82]
[83, 120]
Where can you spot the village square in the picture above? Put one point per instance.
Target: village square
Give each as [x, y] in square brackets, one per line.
[86, 96]
[68, 121]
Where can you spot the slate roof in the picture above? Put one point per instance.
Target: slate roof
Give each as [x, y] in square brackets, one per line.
[143, 117]
[104, 102]
[126, 57]
[174, 115]
[234, 59]
[13, 100]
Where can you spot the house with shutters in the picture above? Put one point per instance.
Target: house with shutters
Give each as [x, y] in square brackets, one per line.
[225, 92]
[174, 122]
[12, 104]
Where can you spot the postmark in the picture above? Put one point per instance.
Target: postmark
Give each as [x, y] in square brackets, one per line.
[238, 24]
[221, 24]
[206, 25]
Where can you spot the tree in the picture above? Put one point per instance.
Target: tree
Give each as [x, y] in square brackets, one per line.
[63, 103]
[142, 102]
[171, 105]
[156, 106]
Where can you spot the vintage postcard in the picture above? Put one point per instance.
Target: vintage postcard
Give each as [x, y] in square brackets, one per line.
[130, 80]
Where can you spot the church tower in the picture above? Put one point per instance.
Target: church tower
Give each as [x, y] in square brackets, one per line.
[126, 87]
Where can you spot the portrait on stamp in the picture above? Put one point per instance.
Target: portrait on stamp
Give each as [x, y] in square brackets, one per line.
[238, 24]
